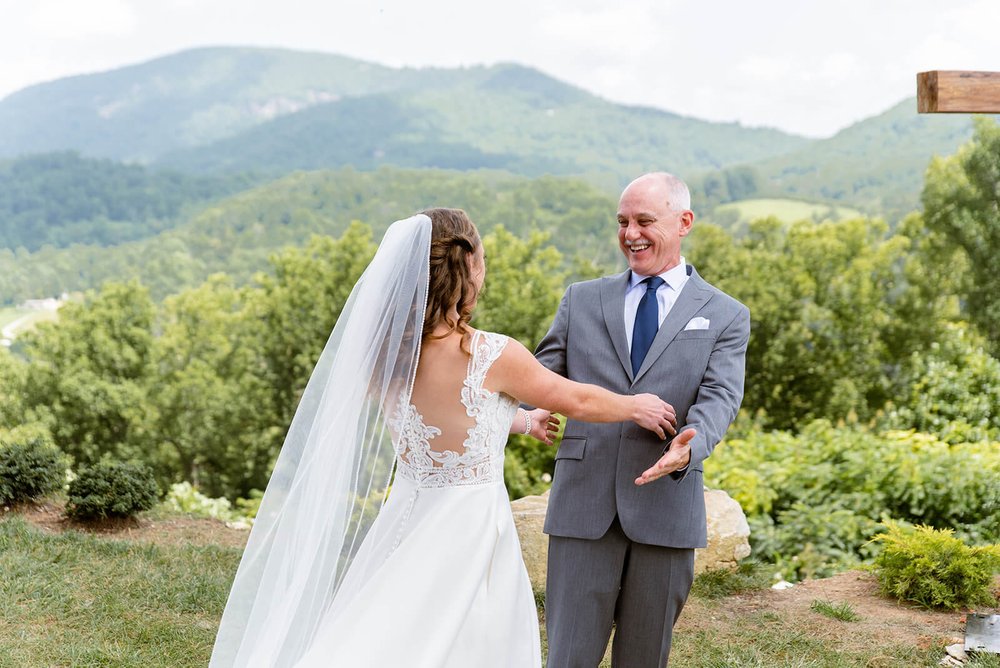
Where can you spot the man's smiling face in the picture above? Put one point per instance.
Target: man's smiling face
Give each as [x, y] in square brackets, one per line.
[649, 228]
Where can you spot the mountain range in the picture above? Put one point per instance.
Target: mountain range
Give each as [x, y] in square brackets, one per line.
[116, 157]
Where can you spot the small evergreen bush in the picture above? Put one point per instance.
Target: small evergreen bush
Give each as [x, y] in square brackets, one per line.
[30, 468]
[111, 489]
[933, 568]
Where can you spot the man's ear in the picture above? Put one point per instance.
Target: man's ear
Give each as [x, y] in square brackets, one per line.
[686, 220]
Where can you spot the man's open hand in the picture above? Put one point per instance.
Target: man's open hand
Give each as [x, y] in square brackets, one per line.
[674, 459]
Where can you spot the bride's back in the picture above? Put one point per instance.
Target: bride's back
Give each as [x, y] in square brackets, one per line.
[437, 392]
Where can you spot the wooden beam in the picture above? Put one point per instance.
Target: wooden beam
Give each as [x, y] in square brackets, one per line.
[952, 91]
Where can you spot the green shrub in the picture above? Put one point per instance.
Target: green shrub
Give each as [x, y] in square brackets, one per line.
[30, 468]
[111, 489]
[183, 497]
[249, 507]
[527, 466]
[933, 568]
[812, 499]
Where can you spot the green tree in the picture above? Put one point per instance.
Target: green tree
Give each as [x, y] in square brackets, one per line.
[524, 283]
[834, 316]
[87, 374]
[12, 375]
[952, 390]
[213, 407]
[961, 200]
[297, 307]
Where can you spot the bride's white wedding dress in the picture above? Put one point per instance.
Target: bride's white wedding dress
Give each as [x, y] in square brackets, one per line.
[439, 580]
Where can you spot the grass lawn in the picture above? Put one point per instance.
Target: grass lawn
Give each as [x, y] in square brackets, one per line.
[151, 595]
[786, 210]
[80, 600]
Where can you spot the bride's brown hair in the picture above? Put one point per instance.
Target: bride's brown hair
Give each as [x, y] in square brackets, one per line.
[453, 240]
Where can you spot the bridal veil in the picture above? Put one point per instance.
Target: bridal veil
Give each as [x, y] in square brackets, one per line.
[334, 469]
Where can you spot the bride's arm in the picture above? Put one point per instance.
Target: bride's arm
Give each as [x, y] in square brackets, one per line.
[520, 375]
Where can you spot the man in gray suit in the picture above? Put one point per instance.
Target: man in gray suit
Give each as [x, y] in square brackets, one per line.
[626, 513]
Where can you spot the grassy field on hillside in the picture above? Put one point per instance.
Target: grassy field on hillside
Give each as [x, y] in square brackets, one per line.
[25, 319]
[151, 593]
[9, 314]
[786, 210]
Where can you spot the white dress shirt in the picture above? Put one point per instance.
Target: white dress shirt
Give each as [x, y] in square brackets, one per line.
[673, 280]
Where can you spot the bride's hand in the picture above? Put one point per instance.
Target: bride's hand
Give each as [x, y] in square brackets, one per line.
[544, 425]
[652, 413]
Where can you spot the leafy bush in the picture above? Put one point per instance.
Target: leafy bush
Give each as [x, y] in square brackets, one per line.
[30, 468]
[111, 489]
[183, 497]
[249, 507]
[933, 568]
[813, 499]
[527, 466]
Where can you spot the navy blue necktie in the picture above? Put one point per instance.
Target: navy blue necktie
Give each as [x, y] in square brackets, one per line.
[647, 321]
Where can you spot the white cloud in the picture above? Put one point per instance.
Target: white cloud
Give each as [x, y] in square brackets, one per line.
[811, 68]
[76, 20]
[764, 69]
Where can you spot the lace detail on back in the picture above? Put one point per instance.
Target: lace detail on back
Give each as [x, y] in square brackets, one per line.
[482, 459]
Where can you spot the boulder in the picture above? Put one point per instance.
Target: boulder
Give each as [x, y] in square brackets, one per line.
[529, 517]
[728, 534]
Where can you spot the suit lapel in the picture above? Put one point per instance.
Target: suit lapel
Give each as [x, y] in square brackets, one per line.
[613, 306]
[693, 296]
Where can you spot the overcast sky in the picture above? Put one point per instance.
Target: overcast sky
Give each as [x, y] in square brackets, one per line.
[805, 67]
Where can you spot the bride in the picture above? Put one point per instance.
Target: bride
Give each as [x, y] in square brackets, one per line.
[349, 565]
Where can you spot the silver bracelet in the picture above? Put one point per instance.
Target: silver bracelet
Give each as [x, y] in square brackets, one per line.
[527, 423]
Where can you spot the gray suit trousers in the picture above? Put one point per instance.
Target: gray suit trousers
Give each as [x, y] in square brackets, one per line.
[641, 588]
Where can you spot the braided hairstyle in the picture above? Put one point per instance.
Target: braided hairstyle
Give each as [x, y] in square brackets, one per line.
[453, 240]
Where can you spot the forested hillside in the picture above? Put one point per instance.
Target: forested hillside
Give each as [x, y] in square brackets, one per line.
[59, 199]
[240, 118]
[187, 99]
[237, 234]
[877, 164]
[330, 111]
[507, 117]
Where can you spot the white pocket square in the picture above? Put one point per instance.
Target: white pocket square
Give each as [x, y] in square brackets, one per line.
[697, 323]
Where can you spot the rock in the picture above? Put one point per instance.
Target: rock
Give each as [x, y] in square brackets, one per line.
[782, 584]
[529, 517]
[728, 534]
[957, 651]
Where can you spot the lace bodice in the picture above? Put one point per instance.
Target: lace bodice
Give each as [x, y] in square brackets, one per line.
[481, 461]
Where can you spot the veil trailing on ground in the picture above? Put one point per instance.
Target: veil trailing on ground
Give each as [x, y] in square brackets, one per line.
[334, 468]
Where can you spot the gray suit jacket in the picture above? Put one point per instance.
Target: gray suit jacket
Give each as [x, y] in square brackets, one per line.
[699, 372]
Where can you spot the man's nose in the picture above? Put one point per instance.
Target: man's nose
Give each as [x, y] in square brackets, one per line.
[632, 232]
